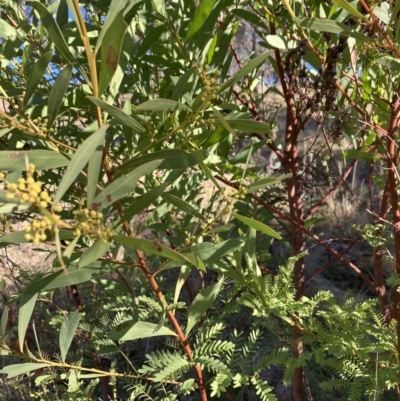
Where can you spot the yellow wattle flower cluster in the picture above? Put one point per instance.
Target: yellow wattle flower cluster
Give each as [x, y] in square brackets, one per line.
[27, 190]
[90, 223]
[35, 232]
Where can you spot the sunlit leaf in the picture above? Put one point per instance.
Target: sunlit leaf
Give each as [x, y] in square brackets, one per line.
[79, 161]
[21, 369]
[257, 225]
[200, 16]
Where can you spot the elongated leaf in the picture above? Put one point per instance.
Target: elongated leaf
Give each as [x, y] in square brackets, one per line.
[162, 105]
[359, 154]
[18, 237]
[127, 47]
[390, 62]
[181, 84]
[257, 225]
[328, 25]
[200, 16]
[202, 302]
[36, 75]
[93, 174]
[122, 185]
[279, 42]
[173, 159]
[79, 161]
[53, 30]
[67, 332]
[4, 322]
[251, 17]
[208, 252]
[27, 305]
[150, 38]
[14, 44]
[111, 50]
[96, 251]
[247, 69]
[183, 205]
[250, 126]
[21, 369]
[75, 276]
[118, 114]
[264, 182]
[57, 93]
[152, 247]
[250, 252]
[349, 8]
[14, 238]
[6, 30]
[116, 10]
[132, 330]
[141, 203]
[70, 248]
[222, 121]
[42, 159]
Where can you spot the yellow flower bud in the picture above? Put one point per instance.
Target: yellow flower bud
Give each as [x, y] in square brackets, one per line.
[28, 237]
[10, 196]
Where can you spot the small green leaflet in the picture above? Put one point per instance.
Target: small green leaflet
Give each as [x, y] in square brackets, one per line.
[257, 226]
[67, 332]
[202, 302]
[132, 330]
[200, 16]
[122, 185]
[79, 161]
[250, 126]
